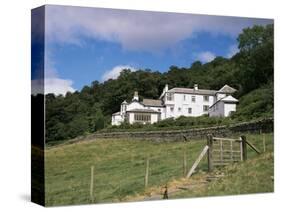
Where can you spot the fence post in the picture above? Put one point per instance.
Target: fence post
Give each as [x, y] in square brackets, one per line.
[197, 161]
[263, 141]
[184, 162]
[210, 150]
[92, 183]
[146, 173]
[244, 147]
[165, 194]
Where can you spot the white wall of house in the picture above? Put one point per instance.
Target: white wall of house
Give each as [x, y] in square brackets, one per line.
[169, 111]
[134, 105]
[217, 110]
[123, 109]
[131, 119]
[229, 108]
[183, 105]
[116, 120]
[154, 117]
[158, 109]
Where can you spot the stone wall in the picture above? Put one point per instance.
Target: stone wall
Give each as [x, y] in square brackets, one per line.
[264, 125]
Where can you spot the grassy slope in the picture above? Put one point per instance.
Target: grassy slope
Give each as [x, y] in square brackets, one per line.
[253, 176]
[119, 168]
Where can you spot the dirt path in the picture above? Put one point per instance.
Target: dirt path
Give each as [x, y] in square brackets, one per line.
[194, 183]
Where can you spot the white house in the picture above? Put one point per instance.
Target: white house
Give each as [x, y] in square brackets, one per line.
[177, 102]
[224, 104]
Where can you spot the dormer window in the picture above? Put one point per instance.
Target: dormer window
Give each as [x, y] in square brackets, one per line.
[170, 96]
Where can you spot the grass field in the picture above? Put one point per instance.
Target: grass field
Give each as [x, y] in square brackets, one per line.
[253, 176]
[120, 169]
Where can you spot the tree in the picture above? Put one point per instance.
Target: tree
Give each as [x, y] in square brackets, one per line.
[78, 126]
[256, 57]
[99, 120]
[196, 64]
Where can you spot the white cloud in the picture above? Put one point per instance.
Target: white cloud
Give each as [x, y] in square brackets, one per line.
[53, 85]
[52, 82]
[232, 51]
[206, 56]
[115, 72]
[58, 86]
[135, 30]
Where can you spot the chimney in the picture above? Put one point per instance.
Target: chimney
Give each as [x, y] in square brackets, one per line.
[166, 88]
[196, 87]
[136, 96]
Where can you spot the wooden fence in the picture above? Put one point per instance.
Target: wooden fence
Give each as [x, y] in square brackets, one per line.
[220, 151]
[223, 151]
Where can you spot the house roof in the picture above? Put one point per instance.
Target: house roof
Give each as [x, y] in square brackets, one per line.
[227, 99]
[115, 114]
[192, 91]
[227, 89]
[152, 102]
[142, 111]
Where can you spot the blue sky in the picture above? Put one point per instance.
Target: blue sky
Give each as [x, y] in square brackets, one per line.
[87, 44]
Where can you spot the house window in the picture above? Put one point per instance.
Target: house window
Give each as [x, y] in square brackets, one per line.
[179, 109]
[159, 110]
[170, 96]
[193, 98]
[205, 108]
[172, 109]
[206, 98]
[190, 110]
[142, 117]
[184, 97]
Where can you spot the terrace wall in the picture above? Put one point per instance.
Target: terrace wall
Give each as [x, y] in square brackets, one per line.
[264, 125]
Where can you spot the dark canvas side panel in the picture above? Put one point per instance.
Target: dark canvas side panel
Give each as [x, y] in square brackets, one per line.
[37, 105]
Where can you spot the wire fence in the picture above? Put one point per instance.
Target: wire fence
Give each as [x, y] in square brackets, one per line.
[140, 172]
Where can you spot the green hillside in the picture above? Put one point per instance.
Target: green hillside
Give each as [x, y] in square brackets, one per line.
[120, 169]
